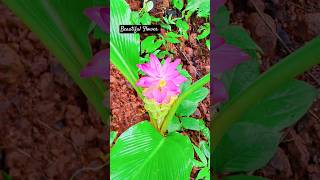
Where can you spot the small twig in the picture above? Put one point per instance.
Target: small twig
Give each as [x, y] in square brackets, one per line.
[24, 153]
[88, 169]
[314, 78]
[314, 115]
[58, 133]
[269, 26]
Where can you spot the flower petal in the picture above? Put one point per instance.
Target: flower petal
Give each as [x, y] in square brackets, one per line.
[159, 96]
[170, 86]
[165, 66]
[155, 63]
[219, 93]
[179, 80]
[98, 66]
[146, 68]
[226, 57]
[145, 82]
[99, 15]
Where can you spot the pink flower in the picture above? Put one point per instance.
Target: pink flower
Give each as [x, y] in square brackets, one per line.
[161, 81]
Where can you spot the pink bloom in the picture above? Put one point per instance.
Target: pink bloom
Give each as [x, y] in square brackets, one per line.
[161, 81]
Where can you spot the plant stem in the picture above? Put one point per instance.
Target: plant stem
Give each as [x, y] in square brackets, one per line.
[198, 84]
[290, 67]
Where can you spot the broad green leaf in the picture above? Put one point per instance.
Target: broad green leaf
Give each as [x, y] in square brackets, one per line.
[63, 28]
[178, 4]
[124, 48]
[204, 174]
[221, 19]
[239, 37]
[284, 107]
[113, 135]
[174, 125]
[192, 123]
[240, 77]
[243, 177]
[142, 153]
[189, 105]
[245, 147]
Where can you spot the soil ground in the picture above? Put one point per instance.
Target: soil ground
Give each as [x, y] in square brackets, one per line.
[295, 22]
[47, 128]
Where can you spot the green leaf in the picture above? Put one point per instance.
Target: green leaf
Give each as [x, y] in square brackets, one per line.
[182, 25]
[184, 72]
[192, 123]
[165, 26]
[243, 177]
[178, 4]
[204, 146]
[202, 6]
[113, 135]
[221, 19]
[208, 44]
[124, 48]
[142, 153]
[183, 96]
[198, 164]
[6, 176]
[204, 174]
[284, 107]
[205, 31]
[189, 105]
[172, 35]
[145, 19]
[173, 40]
[206, 133]
[245, 147]
[240, 77]
[200, 154]
[149, 44]
[135, 18]
[238, 36]
[148, 6]
[63, 28]
[174, 125]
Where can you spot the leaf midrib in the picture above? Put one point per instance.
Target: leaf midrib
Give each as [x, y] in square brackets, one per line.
[152, 154]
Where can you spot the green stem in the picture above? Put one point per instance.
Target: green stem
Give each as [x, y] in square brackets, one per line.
[201, 82]
[290, 67]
